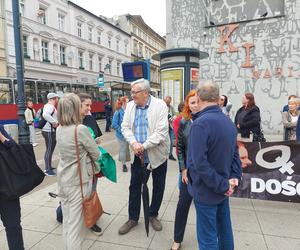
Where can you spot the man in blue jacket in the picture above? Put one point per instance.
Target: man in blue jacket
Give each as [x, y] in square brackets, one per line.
[214, 169]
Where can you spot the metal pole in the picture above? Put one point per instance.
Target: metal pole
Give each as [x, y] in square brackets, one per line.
[23, 128]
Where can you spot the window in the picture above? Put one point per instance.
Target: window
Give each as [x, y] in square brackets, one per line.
[79, 29]
[90, 34]
[62, 51]
[45, 53]
[25, 47]
[22, 7]
[6, 96]
[90, 61]
[99, 37]
[61, 22]
[110, 63]
[100, 63]
[109, 42]
[80, 59]
[118, 68]
[117, 45]
[140, 50]
[42, 15]
[135, 48]
[125, 48]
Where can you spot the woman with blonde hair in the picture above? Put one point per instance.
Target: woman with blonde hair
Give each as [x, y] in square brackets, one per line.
[191, 106]
[69, 118]
[290, 119]
[116, 124]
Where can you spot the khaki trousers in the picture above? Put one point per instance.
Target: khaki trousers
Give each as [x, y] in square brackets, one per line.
[74, 230]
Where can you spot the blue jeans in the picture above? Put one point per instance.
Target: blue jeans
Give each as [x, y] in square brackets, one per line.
[214, 231]
[172, 137]
[10, 212]
[158, 178]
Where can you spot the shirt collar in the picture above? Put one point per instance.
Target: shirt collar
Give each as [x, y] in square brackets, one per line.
[147, 104]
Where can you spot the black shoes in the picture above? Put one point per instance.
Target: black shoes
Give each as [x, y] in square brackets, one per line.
[171, 157]
[125, 169]
[96, 230]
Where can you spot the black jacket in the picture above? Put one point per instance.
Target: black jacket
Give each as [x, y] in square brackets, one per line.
[183, 136]
[250, 122]
[6, 144]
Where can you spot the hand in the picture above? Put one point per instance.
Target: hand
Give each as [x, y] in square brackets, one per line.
[138, 148]
[229, 191]
[55, 125]
[184, 178]
[3, 138]
[98, 140]
[238, 126]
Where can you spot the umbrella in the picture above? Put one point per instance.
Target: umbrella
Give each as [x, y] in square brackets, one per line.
[145, 195]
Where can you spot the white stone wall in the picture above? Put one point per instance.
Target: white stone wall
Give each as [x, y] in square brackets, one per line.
[276, 44]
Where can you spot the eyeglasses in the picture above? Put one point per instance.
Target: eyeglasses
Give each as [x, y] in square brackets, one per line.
[136, 92]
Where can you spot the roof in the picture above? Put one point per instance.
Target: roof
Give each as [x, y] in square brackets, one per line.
[98, 17]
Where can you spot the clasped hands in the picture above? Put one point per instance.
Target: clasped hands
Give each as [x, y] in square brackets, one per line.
[138, 149]
[232, 184]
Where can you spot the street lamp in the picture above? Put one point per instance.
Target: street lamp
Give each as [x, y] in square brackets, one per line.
[23, 128]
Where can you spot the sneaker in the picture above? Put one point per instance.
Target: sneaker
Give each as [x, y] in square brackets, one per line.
[155, 223]
[50, 173]
[96, 230]
[125, 169]
[52, 168]
[35, 144]
[127, 226]
[171, 157]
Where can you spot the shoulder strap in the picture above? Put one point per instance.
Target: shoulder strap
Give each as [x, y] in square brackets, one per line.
[78, 160]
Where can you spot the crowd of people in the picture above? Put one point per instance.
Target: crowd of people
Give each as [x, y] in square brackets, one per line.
[146, 129]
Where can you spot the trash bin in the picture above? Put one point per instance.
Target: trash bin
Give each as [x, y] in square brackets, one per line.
[12, 130]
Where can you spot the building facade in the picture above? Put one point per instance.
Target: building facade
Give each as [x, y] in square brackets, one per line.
[63, 42]
[145, 42]
[253, 46]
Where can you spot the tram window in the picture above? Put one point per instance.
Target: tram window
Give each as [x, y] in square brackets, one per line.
[92, 91]
[43, 89]
[29, 89]
[63, 87]
[6, 96]
[78, 88]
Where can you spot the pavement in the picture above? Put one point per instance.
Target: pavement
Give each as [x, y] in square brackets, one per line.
[257, 224]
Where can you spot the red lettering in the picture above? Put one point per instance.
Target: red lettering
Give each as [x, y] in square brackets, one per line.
[226, 38]
[247, 47]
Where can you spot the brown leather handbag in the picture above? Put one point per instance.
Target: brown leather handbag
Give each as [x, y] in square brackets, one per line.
[91, 206]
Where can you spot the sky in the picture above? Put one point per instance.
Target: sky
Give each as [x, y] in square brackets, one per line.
[153, 12]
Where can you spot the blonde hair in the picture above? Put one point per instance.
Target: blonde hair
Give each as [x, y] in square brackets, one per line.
[68, 110]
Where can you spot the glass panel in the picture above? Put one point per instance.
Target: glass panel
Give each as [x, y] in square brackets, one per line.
[6, 96]
[29, 89]
[63, 87]
[43, 89]
[78, 88]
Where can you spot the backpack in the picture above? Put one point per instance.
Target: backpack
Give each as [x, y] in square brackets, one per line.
[42, 121]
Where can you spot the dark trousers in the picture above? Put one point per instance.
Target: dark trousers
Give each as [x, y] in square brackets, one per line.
[172, 137]
[182, 212]
[10, 212]
[159, 179]
[108, 123]
[214, 230]
[50, 141]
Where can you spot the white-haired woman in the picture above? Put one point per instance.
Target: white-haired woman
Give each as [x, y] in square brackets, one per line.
[68, 180]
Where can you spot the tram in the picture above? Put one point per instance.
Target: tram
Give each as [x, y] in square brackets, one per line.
[37, 90]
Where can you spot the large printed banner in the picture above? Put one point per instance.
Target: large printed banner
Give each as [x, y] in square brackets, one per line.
[271, 171]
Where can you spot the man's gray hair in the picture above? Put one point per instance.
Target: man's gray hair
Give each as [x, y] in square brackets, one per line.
[143, 83]
[208, 91]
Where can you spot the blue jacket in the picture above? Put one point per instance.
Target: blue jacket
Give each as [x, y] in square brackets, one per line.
[6, 144]
[213, 156]
[117, 121]
[298, 129]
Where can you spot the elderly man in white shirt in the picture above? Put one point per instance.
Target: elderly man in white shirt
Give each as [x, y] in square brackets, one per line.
[145, 126]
